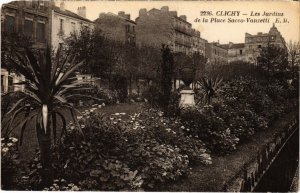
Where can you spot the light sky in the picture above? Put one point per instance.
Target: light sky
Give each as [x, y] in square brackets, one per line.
[224, 32]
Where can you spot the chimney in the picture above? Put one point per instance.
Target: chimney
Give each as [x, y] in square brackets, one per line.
[62, 6]
[127, 16]
[102, 15]
[121, 13]
[173, 13]
[142, 12]
[183, 17]
[81, 11]
[230, 44]
[165, 9]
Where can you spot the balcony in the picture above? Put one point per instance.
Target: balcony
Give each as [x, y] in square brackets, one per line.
[183, 30]
[183, 42]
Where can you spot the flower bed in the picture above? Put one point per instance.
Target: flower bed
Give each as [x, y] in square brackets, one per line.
[125, 152]
[9, 162]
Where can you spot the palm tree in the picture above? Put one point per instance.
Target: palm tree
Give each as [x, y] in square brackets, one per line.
[211, 87]
[45, 99]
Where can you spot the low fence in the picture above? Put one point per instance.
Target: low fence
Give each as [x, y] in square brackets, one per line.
[251, 174]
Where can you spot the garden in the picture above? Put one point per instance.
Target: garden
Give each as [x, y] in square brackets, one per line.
[142, 146]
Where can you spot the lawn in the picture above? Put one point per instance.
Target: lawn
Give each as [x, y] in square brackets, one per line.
[30, 144]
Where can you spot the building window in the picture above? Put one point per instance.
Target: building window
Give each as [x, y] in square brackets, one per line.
[28, 28]
[241, 52]
[259, 46]
[133, 28]
[10, 84]
[73, 26]
[127, 28]
[60, 46]
[2, 83]
[40, 32]
[9, 24]
[61, 26]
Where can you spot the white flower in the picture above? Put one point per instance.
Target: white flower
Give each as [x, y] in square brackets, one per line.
[115, 122]
[9, 144]
[164, 174]
[82, 126]
[14, 140]
[79, 117]
[2, 139]
[103, 104]
[111, 118]
[182, 127]
[5, 149]
[122, 113]
[117, 114]
[99, 106]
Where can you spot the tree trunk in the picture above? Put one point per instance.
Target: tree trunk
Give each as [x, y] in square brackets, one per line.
[44, 140]
[130, 85]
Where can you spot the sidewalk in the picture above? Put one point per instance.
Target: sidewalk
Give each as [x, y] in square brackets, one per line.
[212, 178]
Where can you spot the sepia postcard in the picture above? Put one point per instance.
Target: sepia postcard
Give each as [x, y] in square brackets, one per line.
[135, 95]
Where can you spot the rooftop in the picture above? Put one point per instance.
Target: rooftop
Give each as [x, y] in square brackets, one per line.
[70, 14]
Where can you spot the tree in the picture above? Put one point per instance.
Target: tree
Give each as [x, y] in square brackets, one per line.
[274, 61]
[199, 61]
[167, 70]
[294, 56]
[92, 47]
[48, 86]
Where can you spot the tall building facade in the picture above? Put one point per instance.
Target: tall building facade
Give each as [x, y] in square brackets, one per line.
[254, 43]
[65, 22]
[30, 19]
[217, 54]
[117, 27]
[237, 52]
[161, 26]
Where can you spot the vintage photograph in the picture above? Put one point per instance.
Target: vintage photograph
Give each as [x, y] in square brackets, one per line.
[167, 96]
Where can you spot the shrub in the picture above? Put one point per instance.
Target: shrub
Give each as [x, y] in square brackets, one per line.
[8, 100]
[124, 152]
[210, 128]
[9, 162]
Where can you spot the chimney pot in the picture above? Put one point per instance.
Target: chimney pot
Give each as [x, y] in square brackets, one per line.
[121, 13]
[62, 6]
[142, 12]
[165, 8]
[183, 17]
[81, 11]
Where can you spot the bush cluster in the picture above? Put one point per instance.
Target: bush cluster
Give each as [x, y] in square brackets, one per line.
[125, 152]
[98, 95]
[245, 106]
